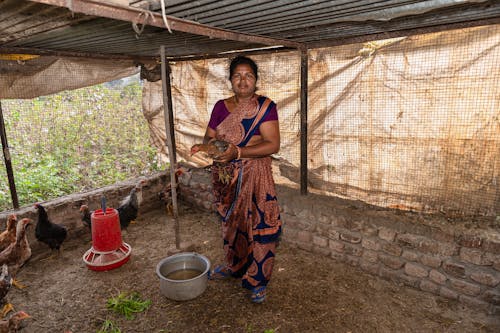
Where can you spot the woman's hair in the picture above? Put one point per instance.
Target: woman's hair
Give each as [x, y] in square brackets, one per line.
[242, 60]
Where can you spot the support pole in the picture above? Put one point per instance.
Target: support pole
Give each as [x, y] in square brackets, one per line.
[169, 134]
[303, 120]
[8, 164]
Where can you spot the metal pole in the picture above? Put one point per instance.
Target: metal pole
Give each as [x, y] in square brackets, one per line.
[303, 121]
[8, 164]
[167, 111]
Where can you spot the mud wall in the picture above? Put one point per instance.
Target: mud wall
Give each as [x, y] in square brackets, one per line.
[456, 259]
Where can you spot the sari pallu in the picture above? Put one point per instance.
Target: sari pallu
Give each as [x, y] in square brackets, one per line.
[245, 198]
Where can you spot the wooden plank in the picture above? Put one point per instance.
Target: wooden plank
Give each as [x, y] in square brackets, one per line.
[303, 120]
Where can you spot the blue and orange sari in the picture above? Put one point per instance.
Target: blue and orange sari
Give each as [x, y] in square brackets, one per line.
[245, 198]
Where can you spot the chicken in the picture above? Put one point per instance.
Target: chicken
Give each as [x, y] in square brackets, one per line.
[129, 207]
[127, 210]
[182, 175]
[48, 232]
[211, 149]
[13, 324]
[8, 236]
[5, 284]
[86, 215]
[17, 253]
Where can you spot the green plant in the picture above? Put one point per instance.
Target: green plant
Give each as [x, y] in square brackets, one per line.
[109, 327]
[127, 304]
[76, 141]
[269, 330]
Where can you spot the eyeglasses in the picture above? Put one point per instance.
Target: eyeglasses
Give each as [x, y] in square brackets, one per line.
[246, 76]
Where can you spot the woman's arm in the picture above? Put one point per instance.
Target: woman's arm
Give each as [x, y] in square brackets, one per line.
[209, 135]
[269, 144]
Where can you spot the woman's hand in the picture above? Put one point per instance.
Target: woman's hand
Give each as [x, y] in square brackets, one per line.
[231, 153]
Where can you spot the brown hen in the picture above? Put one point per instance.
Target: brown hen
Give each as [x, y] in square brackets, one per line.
[212, 149]
[13, 324]
[8, 236]
[17, 253]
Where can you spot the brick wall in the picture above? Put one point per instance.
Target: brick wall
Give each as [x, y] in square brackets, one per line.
[454, 259]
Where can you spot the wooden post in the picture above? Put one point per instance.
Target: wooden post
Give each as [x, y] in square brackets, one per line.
[169, 133]
[303, 120]
[8, 164]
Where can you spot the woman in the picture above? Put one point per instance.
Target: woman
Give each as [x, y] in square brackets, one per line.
[243, 184]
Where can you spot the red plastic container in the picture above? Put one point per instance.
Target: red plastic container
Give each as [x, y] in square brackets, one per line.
[106, 232]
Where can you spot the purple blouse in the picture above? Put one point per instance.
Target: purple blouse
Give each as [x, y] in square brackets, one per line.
[220, 112]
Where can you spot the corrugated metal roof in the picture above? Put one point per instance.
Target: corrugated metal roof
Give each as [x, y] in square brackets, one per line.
[31, 25]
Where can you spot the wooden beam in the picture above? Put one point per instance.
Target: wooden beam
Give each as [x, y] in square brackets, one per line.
[304, 59]
[137, 15]
[8, 162]
[48, 52]
[169, 136]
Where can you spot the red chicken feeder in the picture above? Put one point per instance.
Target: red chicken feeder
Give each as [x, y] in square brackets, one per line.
[105, 261]
[107, 251]
[106, 233]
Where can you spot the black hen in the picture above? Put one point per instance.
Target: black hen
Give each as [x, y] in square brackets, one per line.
[129, 207]
[47, 232]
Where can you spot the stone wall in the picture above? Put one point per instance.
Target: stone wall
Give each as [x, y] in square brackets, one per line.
[65, 210]
[457, 259]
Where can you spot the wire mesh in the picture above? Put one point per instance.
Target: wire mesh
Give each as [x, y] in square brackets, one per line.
[76, 140]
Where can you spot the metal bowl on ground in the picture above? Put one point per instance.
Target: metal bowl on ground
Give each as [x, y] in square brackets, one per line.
[183, 276]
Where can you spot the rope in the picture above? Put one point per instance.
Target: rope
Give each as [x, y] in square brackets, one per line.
[164, 15]
[138, 30]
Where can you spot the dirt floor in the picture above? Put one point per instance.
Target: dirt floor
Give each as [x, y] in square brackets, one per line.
[308, 293]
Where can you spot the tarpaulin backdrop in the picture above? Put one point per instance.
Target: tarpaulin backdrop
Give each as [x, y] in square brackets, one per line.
[411, 123]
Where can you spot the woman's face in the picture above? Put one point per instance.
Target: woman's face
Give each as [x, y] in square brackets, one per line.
[243, 81]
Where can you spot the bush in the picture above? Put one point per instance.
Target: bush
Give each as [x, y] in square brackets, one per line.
[76, 141]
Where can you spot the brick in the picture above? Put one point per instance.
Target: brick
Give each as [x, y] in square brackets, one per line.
[444, 249]
[305, 246]
[324, 219]
[321, 250]
[437, 277]
[448, 293]
[322, 229]
[442, 236]
[392, 249]
[390, 274]
[333, 234]
[429, 286]
[370, 256]
[492, 297]
[390, 261]
[320, 241]
[410, 281]
[471, 255]
[416, 270]
[350, 237]
[354, 225]
[474, 302]
[369, 267]
[371, 244]
[290, 234]
[338, 256]
[430, 261]
[487, 278]
[454, 269]
[410, 255]
[492, 246]
[465, 287]
[472, 241]
[386, 234]
[336, 246]
[408, 240]
[352, 260]
[429, 246]
[304, 236]
[353, 250]
[369, 230]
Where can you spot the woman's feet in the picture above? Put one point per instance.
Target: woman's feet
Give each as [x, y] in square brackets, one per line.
[220, 272]
[258, 294]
